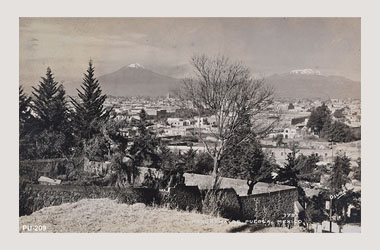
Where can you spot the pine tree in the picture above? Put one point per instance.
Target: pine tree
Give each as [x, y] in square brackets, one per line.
[339, 173]
[187, 159]
[24, 109]
[145, 144]
[89, 111]
[49, 104]
[288, 175]
[25, 125]
[49, 134]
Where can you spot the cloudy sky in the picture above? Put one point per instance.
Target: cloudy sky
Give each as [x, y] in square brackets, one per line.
[165, 45]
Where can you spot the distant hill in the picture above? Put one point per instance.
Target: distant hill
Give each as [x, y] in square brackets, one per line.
[297, 86]
[134, 80]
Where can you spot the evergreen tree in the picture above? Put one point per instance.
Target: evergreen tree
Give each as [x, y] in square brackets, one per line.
[338, 180]
[145, 144]
[48, 134]
[25, 125]
[90, 113]
[187, 160]
[308, 169]
[288, 174]
[339, 174]
[24, 110]
[49, 104]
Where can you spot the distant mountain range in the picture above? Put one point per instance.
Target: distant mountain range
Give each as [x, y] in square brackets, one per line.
[296, 86]
[134, 79]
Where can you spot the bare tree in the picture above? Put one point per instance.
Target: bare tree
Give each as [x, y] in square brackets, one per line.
[227, 91]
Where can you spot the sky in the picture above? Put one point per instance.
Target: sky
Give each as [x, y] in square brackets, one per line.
[166, 45]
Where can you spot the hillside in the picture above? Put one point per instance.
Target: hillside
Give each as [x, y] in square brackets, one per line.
[134, 80]
[296, 86]
[105, 215]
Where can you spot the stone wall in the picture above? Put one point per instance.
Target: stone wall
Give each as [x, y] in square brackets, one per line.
[34, 197]
[269, 206]
[221, 202]
[182, 197]
[224, 202]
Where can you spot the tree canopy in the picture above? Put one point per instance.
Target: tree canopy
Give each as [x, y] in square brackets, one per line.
[337, 132]
[318, 118]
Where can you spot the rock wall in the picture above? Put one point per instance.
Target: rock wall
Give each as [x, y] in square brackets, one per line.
[221, 202]
[34, 197]
[182, 197]
[269, 206]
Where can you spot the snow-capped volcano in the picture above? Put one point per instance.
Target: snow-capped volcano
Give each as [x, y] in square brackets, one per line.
[305, 72]
[136, 66]
[134, 80]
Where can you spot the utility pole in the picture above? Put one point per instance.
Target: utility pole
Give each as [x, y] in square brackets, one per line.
[331, 197]
[331, 213]
[331, 140]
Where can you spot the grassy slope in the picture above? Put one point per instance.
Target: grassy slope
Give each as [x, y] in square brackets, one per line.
[104, 215]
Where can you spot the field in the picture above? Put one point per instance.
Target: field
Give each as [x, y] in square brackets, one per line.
[108, 216]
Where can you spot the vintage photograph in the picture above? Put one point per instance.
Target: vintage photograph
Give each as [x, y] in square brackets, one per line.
[189, 125]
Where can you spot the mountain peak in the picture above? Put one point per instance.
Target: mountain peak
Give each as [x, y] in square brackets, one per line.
[135, 65]
[305, 72]
[134, 80]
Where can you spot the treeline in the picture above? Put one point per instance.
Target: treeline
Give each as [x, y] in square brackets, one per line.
[50, 127]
